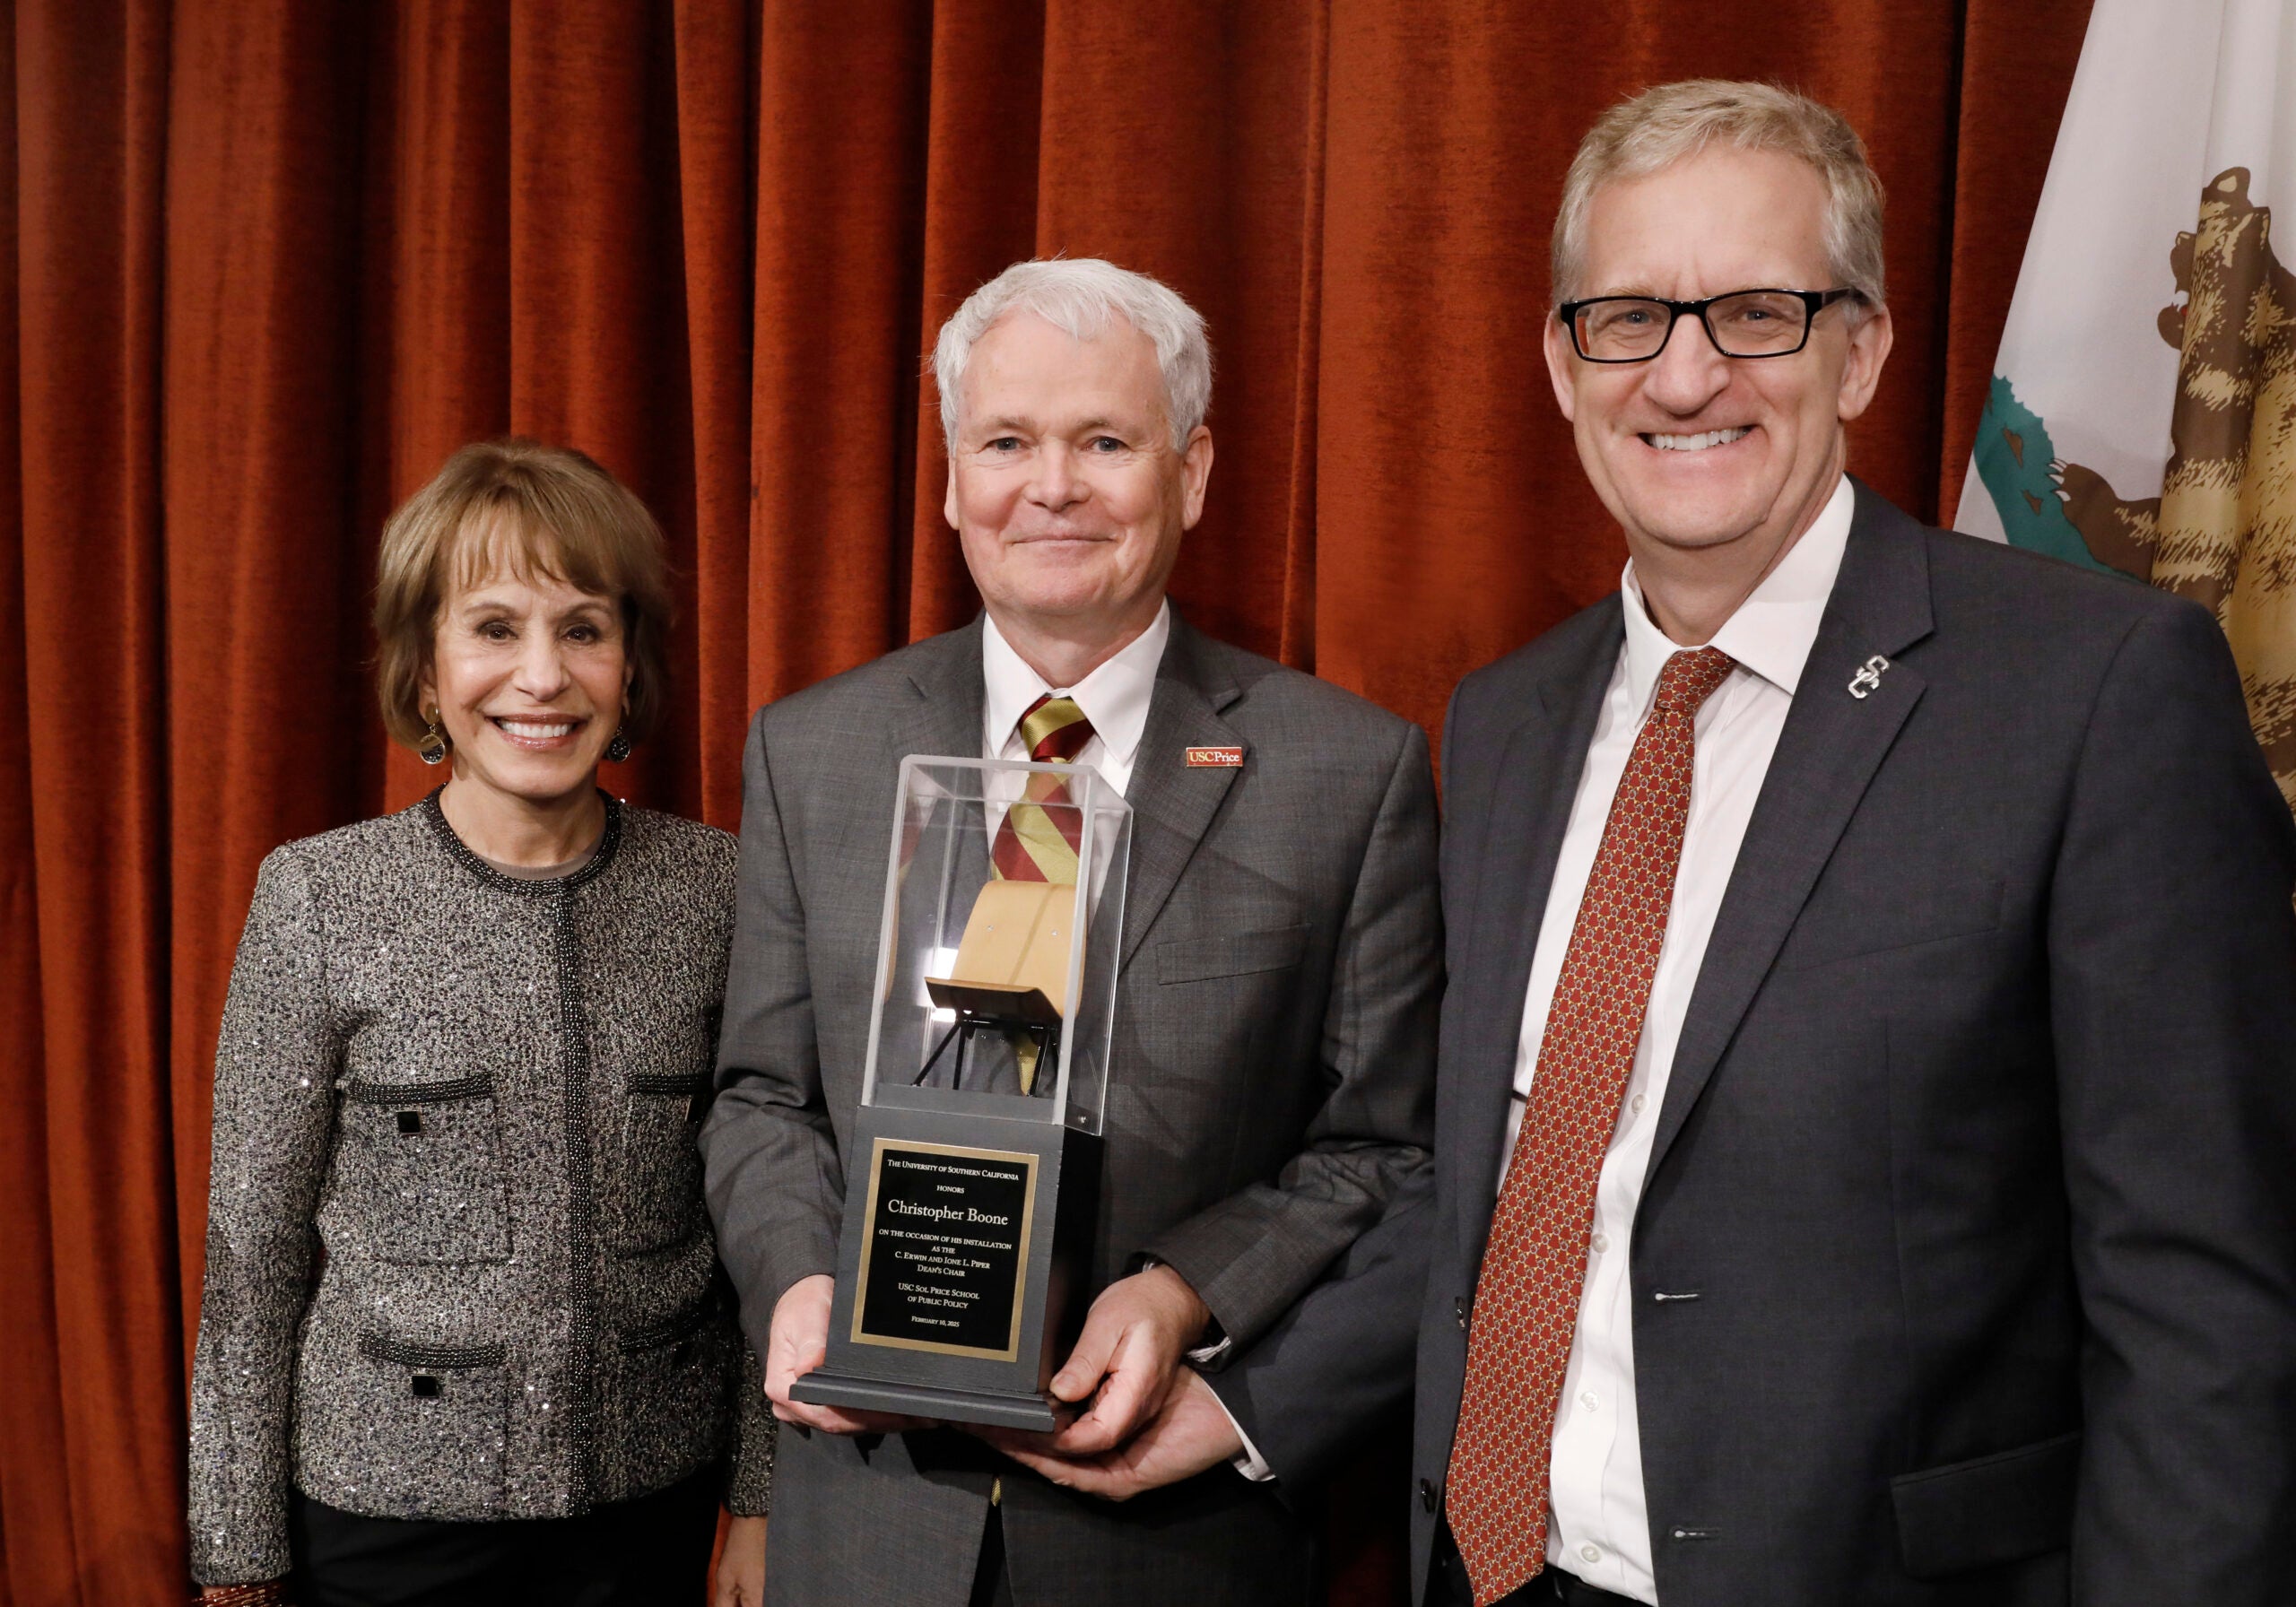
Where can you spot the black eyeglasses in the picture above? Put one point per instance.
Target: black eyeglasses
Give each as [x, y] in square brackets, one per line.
[1762, 323]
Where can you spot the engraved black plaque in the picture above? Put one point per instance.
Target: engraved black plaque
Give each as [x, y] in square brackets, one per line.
[946, 1249]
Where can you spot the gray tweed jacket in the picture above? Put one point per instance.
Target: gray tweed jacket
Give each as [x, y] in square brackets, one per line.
[457, 1261]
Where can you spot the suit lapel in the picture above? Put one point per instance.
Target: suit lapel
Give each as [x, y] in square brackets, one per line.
[1535, 787]
[1832, 744]
[945, 723]
[950, 693]
[1173, 802]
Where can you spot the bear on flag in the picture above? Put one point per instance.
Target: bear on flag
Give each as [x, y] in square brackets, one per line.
[2142, 416]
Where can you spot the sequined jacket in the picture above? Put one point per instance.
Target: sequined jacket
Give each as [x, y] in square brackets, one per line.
[457, 1261]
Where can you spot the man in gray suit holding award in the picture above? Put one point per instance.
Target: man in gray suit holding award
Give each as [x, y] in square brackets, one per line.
[1863, 1158]
[1271, 1071]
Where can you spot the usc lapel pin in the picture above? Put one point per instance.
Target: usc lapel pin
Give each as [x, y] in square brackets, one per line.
[1868, 679]
[1215, 758]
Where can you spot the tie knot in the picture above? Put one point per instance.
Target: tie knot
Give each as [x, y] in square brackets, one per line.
[1690, 678]
[1055, 729]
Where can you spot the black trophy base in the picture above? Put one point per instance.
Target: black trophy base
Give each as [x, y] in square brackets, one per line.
[822, 1387]
[967, 1233]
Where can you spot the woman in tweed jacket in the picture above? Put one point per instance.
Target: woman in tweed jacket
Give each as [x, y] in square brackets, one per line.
[464, 1335]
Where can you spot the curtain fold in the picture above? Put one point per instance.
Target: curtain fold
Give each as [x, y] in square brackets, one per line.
[715, 99]
[31, 1418]
[841, 123]
[92, 113]
[267, 262]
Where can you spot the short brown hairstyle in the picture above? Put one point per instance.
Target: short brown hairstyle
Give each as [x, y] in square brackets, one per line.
[1673, 122]
[518, 505]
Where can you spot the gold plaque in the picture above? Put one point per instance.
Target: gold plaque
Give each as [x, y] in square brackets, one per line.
[945, 1249]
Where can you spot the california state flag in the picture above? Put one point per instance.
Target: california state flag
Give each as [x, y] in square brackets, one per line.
[2140, 417]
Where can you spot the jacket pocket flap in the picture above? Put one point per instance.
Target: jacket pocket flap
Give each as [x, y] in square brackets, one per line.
[688, 1083]
[652, 1336]
[478, 1086]
[403, 1352]
[1989, 1511]
[1231, 955]
[1898, 917]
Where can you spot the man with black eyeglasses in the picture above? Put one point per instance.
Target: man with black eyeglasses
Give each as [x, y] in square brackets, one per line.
[1867, 1082]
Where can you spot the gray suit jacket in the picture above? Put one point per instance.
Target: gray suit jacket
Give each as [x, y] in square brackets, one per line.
[1272, 1081]
[1965, 1266]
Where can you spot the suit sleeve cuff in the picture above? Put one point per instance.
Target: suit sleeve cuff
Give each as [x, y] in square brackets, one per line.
[1218, 1344]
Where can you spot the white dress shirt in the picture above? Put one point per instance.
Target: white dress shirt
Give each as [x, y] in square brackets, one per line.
[1602, 1529]
[1114, 698]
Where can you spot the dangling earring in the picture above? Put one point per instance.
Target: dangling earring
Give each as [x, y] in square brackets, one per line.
[618, 749]
[432, 747]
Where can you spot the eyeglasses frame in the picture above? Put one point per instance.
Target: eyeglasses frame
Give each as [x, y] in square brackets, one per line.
[1815, 301]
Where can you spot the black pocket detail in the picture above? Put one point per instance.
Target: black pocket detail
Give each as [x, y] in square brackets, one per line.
[661, 1168]
[1231, 955]
[668, 1393]
[435, 1419]
[653, 1336]
[480, 1086]
[378, 1347]
[669, 1082]
[1989, 1510]
[697, 1088]
[422, 1162]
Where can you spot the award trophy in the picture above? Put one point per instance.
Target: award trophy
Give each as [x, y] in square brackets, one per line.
[973, 1179]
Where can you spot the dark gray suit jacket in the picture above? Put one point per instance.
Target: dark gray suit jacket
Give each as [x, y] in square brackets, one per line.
[1272, 1083]
[1965, 1266]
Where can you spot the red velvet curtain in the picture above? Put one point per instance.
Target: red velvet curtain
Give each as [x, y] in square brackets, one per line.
[267, 261]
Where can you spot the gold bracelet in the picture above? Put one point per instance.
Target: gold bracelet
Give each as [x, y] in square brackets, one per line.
[270, 1592]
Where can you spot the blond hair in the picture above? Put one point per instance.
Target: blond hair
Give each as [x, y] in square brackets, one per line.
[1668, 124]
[518, 506]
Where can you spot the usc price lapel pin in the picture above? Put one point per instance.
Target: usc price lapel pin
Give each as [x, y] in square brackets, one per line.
[1215, 758]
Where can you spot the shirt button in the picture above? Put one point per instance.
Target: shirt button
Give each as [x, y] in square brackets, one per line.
[1602, 1243]
[1588, 1400]
[1637, 1103]
[1591, 1554]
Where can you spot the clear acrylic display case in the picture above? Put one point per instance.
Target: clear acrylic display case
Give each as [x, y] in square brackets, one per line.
[995, 993]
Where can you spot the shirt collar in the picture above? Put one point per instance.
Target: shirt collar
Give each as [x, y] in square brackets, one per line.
[1771, 632]
[1114, 698]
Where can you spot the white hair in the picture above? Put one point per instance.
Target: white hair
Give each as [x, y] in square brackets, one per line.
[1079, 296]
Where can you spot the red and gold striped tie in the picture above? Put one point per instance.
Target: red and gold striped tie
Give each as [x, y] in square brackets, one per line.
[1037, 843]
[1038, 838]
[1535, 1267]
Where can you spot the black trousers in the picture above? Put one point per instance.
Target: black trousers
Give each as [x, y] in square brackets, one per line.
[652, 1551]
[1448, 1587]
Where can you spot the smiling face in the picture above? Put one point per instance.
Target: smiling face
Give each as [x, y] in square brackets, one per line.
[528, 674]
[1692, 451]
[1063, 487]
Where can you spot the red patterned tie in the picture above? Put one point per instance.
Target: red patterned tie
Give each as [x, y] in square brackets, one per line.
[1535, 1267]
